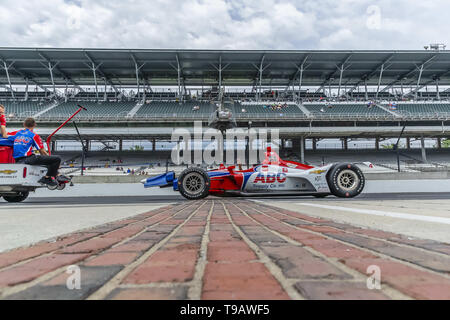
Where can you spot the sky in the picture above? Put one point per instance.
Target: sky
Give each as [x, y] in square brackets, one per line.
[224, 24]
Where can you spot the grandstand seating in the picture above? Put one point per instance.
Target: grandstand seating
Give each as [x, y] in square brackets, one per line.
[430, 109]
[174, 109]
[94, 109]
[22, 109]
[20, 95]
[371, 95]
[159, 95]
[351, 109]
[241, 110]
[266, 109]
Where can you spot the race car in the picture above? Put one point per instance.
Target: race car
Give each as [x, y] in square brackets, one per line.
[273, 176]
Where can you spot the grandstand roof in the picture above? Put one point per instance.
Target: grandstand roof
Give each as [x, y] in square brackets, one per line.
[240, 67]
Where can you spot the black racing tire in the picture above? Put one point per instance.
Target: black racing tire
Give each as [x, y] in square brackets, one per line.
[193, 183]
[21, 196]
[61, 186]
[345, 180]
[52, 188]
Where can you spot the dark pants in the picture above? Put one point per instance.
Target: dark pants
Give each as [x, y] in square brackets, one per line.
[51, 162]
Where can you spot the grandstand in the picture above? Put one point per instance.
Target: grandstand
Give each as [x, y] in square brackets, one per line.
[22, 109]
[190, 110]
[307, 95]
[423, 109]
[95, 110]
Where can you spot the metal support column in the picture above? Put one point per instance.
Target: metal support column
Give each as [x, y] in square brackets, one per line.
[302, 149]
[418, 81]
[66, 91]
[439, 143]
[95, 79]
[260, 83]
[422, 147]
[105, 95]
[220, 76]
[365, 87]
[377, 144]
[179, 79]
[219, 70]
[300, 81]
[6, 67]
[438, 96]
[408, 143]
[340, 80]
[260, 69]
[345, 143]
[50, 68]
[379, 80]
[26, 89]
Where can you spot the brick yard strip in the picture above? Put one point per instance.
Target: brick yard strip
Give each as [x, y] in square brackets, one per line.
[227, 249]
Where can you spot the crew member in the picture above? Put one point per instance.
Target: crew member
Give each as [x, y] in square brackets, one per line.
[3, 122]
[24, 142]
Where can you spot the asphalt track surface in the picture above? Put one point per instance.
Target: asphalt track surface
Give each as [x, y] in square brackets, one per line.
[178, 198]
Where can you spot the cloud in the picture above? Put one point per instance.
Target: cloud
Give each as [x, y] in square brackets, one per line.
[224, 24]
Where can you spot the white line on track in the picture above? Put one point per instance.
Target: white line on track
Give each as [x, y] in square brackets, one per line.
[381, 213]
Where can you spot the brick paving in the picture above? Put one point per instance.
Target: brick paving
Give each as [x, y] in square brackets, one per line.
[227, 249]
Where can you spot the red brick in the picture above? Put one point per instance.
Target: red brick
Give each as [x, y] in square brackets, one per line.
[405, 278]
[166, 273]
[179, 293]
[37, 267]
[133, 246]
[322, 229]
[296, 262]
[221, 235]
[165, 266]
[113, 258]
[90, 246]
[190, 231]
[333, 290]
[334, 249]
[245, 295]
[22, 254]
[230, 254]
[123, 233]
[241, 280]
[173, 257]
[300, 236]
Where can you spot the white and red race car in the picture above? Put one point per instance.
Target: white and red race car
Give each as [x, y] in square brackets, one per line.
[273, 176]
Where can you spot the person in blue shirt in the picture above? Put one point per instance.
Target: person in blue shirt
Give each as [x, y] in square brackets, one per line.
[25, 141]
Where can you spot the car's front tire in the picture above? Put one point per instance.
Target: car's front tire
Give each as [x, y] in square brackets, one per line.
[346, 180]
[193, 183]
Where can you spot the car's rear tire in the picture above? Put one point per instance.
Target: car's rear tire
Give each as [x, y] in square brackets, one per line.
[193, 183]
[61, 186]
[345, 180]
[19, 197]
